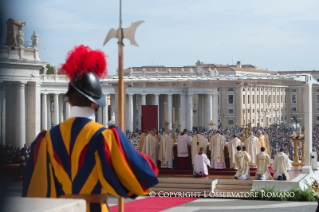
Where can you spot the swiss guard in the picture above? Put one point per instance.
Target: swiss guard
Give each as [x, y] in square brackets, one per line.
[82, 159]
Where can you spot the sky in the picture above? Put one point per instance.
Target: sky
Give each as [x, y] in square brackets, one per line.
[274, 35]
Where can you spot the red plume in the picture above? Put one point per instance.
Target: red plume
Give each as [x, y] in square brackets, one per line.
[83, 59]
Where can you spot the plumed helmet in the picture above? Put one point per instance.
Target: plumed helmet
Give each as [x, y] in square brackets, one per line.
[84, 68]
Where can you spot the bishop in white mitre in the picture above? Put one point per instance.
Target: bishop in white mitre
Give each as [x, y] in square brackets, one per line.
[201, 163]
[150, 146]
[242, 160]
[216, 146]
[251, 147]
[281, 165]
[263, 161]
[166, 155]
[198, 141]
[232, 150]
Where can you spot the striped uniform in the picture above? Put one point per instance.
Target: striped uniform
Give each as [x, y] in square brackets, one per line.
[80, 156]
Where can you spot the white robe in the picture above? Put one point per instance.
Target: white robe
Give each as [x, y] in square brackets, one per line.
[267, 144]
[216, 146]
[182, 143]
[150, 147]
[201, 163]
[197, 142]
[242, 159]
[281, 164]
[251, 147]
[263, 161]
[166, 155]
[232, 150]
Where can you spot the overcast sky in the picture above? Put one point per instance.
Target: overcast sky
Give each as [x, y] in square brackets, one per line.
[279, 35]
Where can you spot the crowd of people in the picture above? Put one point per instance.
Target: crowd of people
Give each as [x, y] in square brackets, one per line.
[278, 138]
[14, 155]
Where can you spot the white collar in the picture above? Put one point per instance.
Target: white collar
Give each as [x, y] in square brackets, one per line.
[262, 153]
[83, 112]
[239, 151]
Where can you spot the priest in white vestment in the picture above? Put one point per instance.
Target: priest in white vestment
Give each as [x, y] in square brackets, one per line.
[242, 159]
[183, 142]
[251, 146]
[232, 150]
[200, 164]
[216, 146]
[263, 161]
[197, 142]
[267, 143]
[142, 139]
[151, 146]
[281, 165]
[166, 155]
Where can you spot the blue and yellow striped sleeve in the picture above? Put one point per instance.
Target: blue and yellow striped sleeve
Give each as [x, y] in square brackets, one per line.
[123, 171]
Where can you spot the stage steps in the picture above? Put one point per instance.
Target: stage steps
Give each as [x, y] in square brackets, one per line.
[203, 185]
[232, 185]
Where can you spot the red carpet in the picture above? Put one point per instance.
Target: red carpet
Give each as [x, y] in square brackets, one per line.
[211, 171]
[153, 204]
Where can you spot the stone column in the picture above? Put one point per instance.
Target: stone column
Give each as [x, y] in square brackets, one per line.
[49, 113]
[156, 102]
[61, 118]
[44, 116]
[99, 115]
[141, 101]
[169, 110]
[130, 112]
[182, 104]
[20, 116]
[56, 109]
[106, 111]
[9, 112]
[209, 109]
[215, 108]
[308, 125]
[3, 118]
[189, 121]
[67, 110]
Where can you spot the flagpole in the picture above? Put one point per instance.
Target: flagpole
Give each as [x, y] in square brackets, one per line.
[120, 91]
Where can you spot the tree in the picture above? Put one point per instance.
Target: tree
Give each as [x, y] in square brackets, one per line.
[50, 69]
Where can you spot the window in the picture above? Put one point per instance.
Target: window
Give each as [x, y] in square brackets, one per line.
[317, 90]
[230, 89]
[248, 99]
[293, 90]
[294, 109]
[285, 99]
[317, 98]
[230, 99]
[262, 109]
[266, 100]
[218, 99]
[274, 99]
[253, 110]
[317, 109]
[262, 99]
[253, 120]
[317, 118]
[230, 111]
[243, 99]
[248, 110]
[281, 98]
[230, 121]
[278, 99]
[294, 99]
[257, 99]
[269, 120]
[269, 99]
[253, 99]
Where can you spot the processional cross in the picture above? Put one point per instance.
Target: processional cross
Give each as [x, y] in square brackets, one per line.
[211, 124]
[121, 33]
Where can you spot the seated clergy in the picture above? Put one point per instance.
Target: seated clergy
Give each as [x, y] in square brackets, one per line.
[263, 161]
[242, 160]
[201, 163]
[281, 164]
